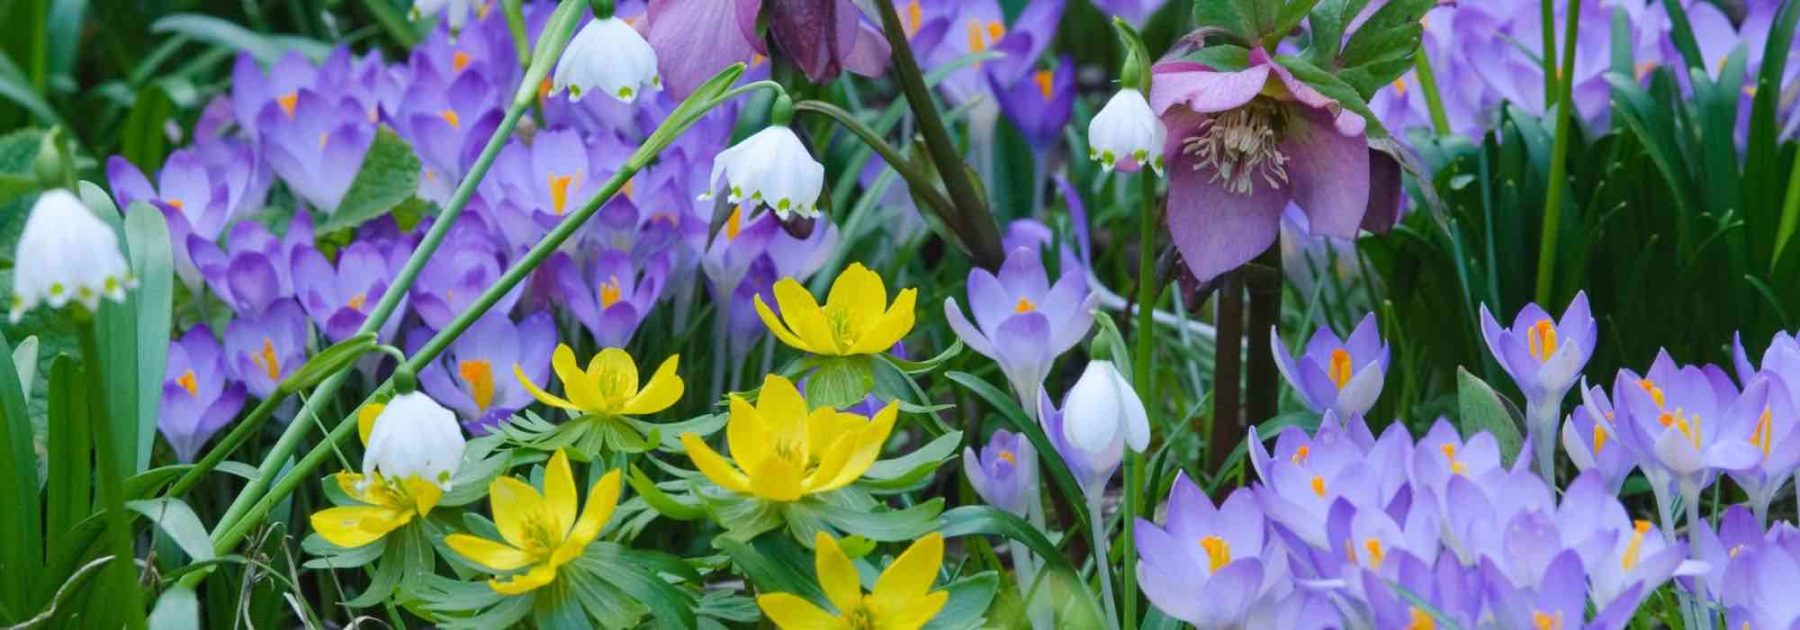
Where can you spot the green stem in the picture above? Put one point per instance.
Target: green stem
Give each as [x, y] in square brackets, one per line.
[123, 568]
[556, 37]
[515, 24]
[1145, 334]
[1547, 12]
[1790, 216]
[980, 234]
[1102, 557]
[1559, 158]
[917, 181]
[1434, 102]
[232, 531]
[392, 21]
[38, 20]
[238, 435]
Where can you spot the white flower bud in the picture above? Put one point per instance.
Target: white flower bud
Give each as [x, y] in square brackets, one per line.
[772, 167]
[1127, 134]
[414, 436]
[66, 253]
[610, 56]
[1103, 414]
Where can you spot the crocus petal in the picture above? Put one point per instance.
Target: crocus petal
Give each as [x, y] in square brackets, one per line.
[966, 331]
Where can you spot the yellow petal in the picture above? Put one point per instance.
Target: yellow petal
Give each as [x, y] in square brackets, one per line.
[365, 420]
[775, 479]
[909, 614]
[790, 612]
[709, 463]
[582, 391]
[779, 329]
[860, 293]
[825, 426]
[494, 556]
[745, 431]
[803, 315]
[615, 377]
[836, 575]
[784, 414]
[911, 574]
[538, 393]
[559, 493]
[520, 584]
[663, 390]
[601, 500]
[424, 494]
[865, 449]
[515, 504]
[352, 485]
[355, 526]
[893, 327]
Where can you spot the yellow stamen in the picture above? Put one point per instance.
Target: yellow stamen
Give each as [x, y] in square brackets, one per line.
[1300, 454]
[458, 61]
[1024, 306]
[1045, 80]
[1376, 553]
[629, 187]
[1599, 438]
[288, 101]
[357, 301]
[1456, 467]
[1542, 339]
[1763, 436]
[1541, 620]
[609, 292]
[915, 17]
[1318, 485]
[1629, 559]
[479, 375]
[1418, 619]
[995, 29]
[1400, 87]
[1218, 553]
[189, 383]
[559, 192]
[267, 360]
[976, 43]
[1650, 388]
[734, 223]
[174, 203]
[449, 116]
[1008, 456]
[1340, 369]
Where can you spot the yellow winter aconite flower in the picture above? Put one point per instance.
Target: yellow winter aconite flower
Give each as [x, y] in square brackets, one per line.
[902, 599]
[856, 318]
[541, 531]
[387, 505]
[784, 451]
[414, 447]
[609, 385]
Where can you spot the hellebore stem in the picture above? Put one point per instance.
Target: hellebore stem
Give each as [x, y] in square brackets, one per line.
[229, 533]
[982, 240]
[1262, 283]
[1144, 334]
[556, 36]
[1434, 102]
[1559, 156]
[1227, 423]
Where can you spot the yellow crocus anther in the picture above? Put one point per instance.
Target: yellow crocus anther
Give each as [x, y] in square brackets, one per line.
[1341, 369]
[609, 292]
[267, 360]
[1542, 339]
[1599, 438]
[188, 382]
[855, 319]
[782, 450]
[458, 61]
[540, 532]
[1629, 559]
[902, 598]
[479, 375]
[1762, 437]
[1218, 553]
[358, 301]
[1024, 306]
[559, 193]
[1008, 456]
[1649, 386]
[450, 116]
[1318, 485]
[1418, 619]
[734, 223]
[1045, 80]
[1377, 553]
[1300, 454]
[1456, 466]
[609, 385]
[288, 102]
[1541, 620]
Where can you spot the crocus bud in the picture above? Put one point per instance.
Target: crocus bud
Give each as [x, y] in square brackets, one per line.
[1103, 414]
[1126, 134]
[66, 253]
[1005, 474]
[414, 436]
[773, 168]
[609, 55]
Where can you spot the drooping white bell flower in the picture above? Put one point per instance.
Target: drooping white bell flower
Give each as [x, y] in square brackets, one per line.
[772, 167]
[66, 253]
[414, 436]
[610, 56]
[456, 12]
[1103, 414]
[1127, 134]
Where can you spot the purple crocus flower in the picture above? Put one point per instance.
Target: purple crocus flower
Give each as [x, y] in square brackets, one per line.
[1555, 599]
[1341, 375]
[1682, 423]
[609, 295]
[1782, 359]
[256, 269]
[979, 27]
[1307, 475]
[447, 119]
[533, 187]
[475, 376]
[1765, 412]
[1441, 582]
[252, 88]
[1207, 566]
[194, 198]
[1625, 560]
[1005, 474]
[695, 39]
[315, 146]
[198, 396]
[471, 261]
[1738, 530]
[1226, 196]
[1586, 437]
[339, 298]
[825, 37]
[1023, 322]
[1759, 584]
[262, 349]
[1041, 104]
[1543, 355]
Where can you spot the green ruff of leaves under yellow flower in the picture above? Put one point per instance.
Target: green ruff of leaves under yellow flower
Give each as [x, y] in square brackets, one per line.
[541, 531]
[856, 318]
[902, 598]
[609, 385]
[784, 451]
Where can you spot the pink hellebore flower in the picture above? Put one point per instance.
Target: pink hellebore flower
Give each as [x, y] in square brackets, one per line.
[1241, 145]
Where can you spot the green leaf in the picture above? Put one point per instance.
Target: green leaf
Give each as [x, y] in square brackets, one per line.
[661, 501]
[176, 519]
[1334, 88]
[143, 139]
[1481, 409]
[340, 356]
[1390, 34]
[840, 381]
[176, 609]
[881, 525]
[69, 489]
[147, 238]
[21, 547]
[389, 176]
[222, 33]
[921, 367]
[1010, 411]
[909, 469]
[18, 150]
[15, 87]
[969, 600]
[1076, 601]
[1288, 19]
[773, 564]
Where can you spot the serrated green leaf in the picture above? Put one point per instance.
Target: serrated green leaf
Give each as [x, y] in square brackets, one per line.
[1334, 88]
[840, 381]
[389, 176]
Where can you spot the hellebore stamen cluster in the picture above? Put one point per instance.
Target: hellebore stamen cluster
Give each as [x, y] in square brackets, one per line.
[1241, 146]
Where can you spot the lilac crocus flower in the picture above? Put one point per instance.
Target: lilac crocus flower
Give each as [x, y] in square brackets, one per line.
[1341, 375]
[1544, 356]
[1736, 532]
[533, 187]
[316, 146]
[1207, 566]
[475, 376]
[1767, 415]
[1040, 105]
[1555, 599]
[1023, 322]
[471, 261]
[1676, 420]
[252, 88]
[609, 295]
[1759, 584]
[447, 119]
[339, 298]
[1226, 196]
[198, 395]
[1782, 359]
[262, 349]
[256, 269]
[1587, 436]
[193, 198]
[1005, 474]
[1450, 589]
